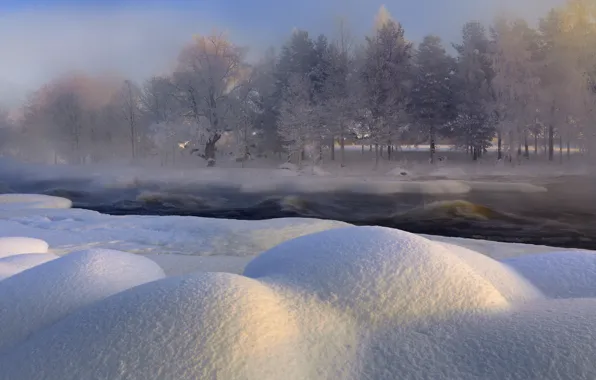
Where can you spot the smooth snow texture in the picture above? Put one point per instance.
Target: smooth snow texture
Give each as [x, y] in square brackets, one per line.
[31, 201]
[378, 273]
[203, 326]
[349, 303]
[46, 293]
[10, 246]
[11, 265]
[66, 230]
[543, 340]
[567, 274]
[177, 265]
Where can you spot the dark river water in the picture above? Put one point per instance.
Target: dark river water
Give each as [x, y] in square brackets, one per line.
[564, 216]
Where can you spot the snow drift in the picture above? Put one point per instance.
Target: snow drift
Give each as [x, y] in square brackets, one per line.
[343, 303]
[560, 274]
[10, 246]
[379, 274]
[11, 265]
[32, 201]
[45, 293]
[63, 229]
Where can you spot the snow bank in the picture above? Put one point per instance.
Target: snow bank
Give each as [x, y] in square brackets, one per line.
[378, 274]
[347, 303]
[28, 201]
[10, 246]
[11, 265]
[567, 274]
[67, 230]
[44, 294]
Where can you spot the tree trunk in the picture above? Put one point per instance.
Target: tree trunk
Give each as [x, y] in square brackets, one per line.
[376, 156]
[568, 150]
[535, 143]
[432, 145]
[499, 145]
[474, 154]
[526, 147]
[333, 149]
[209, 154]
[551, 142]
[389, 150]
[560, 148]
[342, 149]
[363, 150]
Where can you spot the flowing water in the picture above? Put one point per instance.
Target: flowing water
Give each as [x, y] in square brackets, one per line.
[563, 216]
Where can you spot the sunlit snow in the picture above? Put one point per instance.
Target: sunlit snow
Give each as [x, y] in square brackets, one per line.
[321, 300]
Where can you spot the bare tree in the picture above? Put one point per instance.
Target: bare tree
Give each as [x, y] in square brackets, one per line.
[127, 104]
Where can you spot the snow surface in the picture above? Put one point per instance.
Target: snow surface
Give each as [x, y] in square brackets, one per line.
[66, 230]
[10, 246]
[11, 265]
[332, 301]
[20, 201]
[560, 274]
[42, 295]
[381, 273]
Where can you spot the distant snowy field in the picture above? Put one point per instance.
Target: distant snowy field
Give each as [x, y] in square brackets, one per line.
[91, 296]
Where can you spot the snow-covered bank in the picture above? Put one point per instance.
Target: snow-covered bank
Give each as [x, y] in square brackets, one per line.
[331, 301]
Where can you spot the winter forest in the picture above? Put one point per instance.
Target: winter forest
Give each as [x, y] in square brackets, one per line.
[524, 89]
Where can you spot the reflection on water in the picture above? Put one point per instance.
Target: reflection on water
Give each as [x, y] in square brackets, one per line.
[564, 216]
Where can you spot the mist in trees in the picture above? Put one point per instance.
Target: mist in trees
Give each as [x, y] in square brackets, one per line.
[524, 89]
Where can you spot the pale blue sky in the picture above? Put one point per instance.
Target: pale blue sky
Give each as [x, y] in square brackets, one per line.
[42, 38]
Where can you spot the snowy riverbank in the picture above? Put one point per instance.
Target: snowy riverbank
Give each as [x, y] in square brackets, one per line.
[94, 296]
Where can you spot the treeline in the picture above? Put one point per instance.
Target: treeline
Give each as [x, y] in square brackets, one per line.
[511, 85]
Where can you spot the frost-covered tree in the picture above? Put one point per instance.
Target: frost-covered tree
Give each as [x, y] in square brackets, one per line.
[298, 118]
[384, 75]
[209, 70]
[515, 86]
[339, 89]
[431, 104]
[475, 128]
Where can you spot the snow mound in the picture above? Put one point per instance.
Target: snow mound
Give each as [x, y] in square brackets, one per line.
[32, 201]
[11, 265]
[378, 274]
[10, 246]
[202, 326]
[44, 294]
[546, 340]
[570, 274]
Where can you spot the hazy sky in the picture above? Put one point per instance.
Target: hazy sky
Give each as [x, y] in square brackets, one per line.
[43, 38]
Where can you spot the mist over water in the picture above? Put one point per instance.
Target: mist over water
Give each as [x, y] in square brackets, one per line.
[562, 216]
